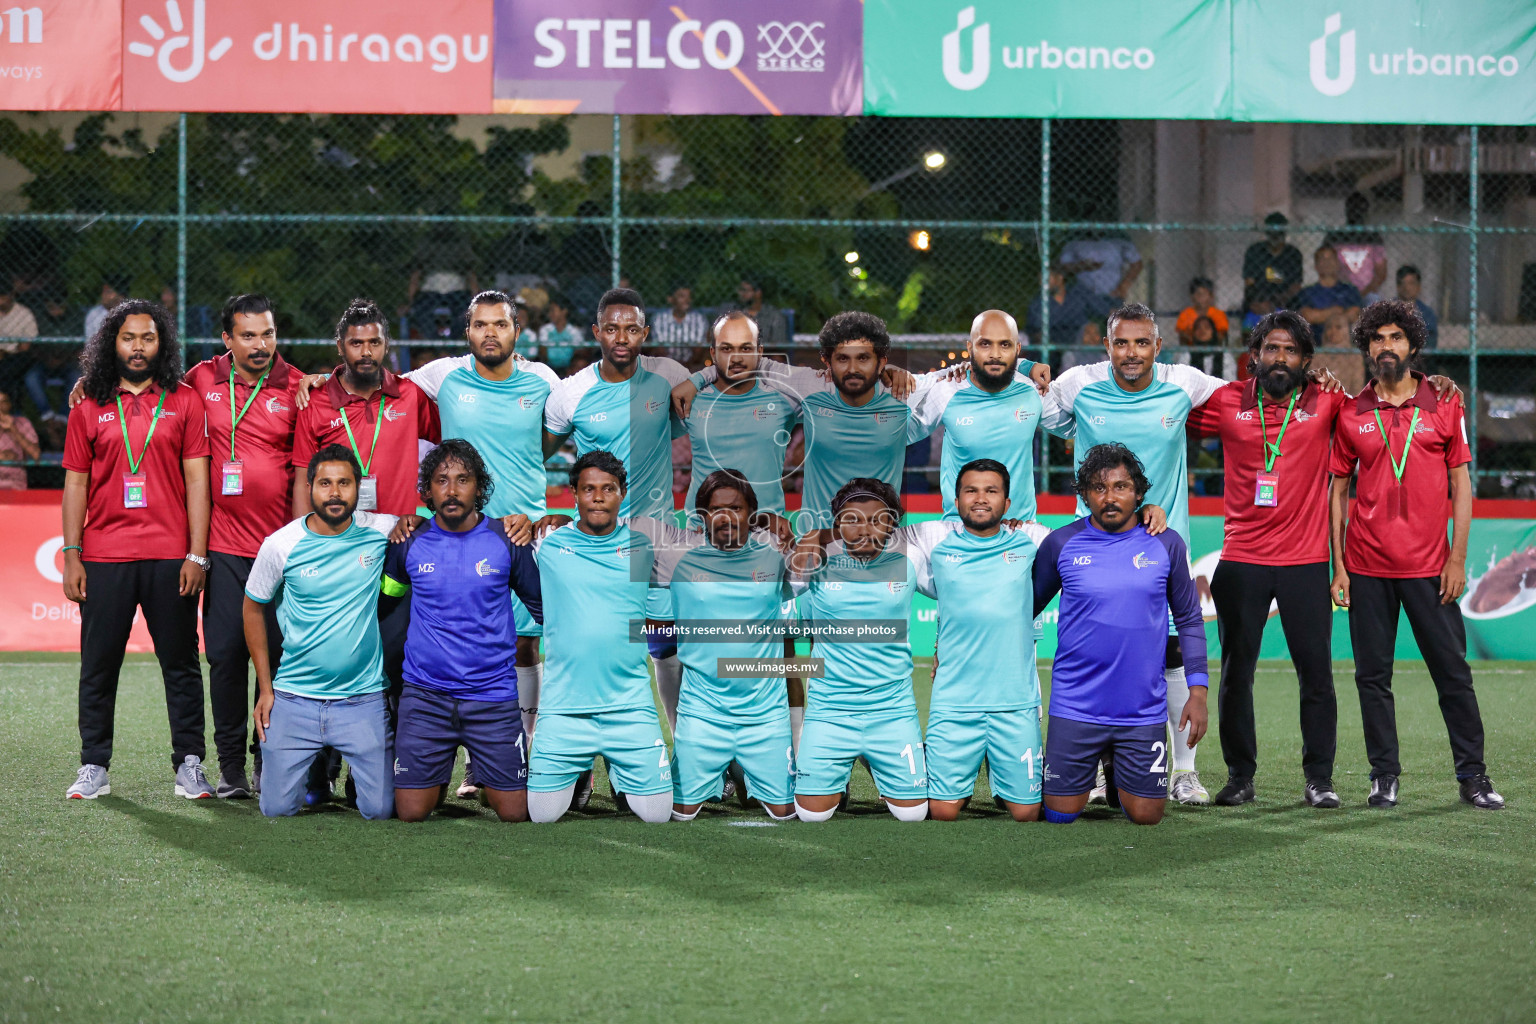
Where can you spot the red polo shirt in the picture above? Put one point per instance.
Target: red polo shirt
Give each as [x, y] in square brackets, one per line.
[1398, 529]
[94, 445]
[408, 415]
[1294, 531]
[263, 446]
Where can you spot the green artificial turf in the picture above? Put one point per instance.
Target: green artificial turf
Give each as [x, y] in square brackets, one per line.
[141, 906]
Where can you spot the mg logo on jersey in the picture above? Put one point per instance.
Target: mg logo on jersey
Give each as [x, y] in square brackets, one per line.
[1097, 421]
[832, 586]
[965, 421]
[214, 396]
[954, 558]
[426, 567]
[1141, 561]
[309, 572]
[467, 398]
[107, 417]
[565, 550]
[598, 417]
[1246, 416]
[701, 577]
[485, 568]
[1082, 559]
[1367, 428]
[823, 411]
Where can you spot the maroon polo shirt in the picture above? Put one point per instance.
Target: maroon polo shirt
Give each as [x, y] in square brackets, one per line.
[1294, 531]
[408, 415]
[94, 445]
[263, 446]
[1398, 529]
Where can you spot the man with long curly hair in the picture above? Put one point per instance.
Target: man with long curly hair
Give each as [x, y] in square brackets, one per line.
[136, 510]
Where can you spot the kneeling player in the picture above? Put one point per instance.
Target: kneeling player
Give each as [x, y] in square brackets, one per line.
[739, 580]
[1108, 694]
[460, 571]
[596, 697]
[863, 707]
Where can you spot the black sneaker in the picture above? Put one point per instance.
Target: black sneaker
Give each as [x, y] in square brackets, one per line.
[1383, 791]
[233, 785]
[1111, 791]
[1478, 791]
[1238, 791]
[620, 802]
[842, 801]
[1320, 793]
[737, 776]
[583, 794]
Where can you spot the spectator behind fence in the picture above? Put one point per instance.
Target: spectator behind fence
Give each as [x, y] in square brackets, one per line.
[1202, 303]
[114, 290]
[442, 281]
[1318, 302]
[559, 337]
[1203, 334]
[1105, 266]
[16, 321]
[682, 331]
[1409, 283]
[772, 328]
[1362, 252]
[1271, 269]
[18, 443]
[1072, 307]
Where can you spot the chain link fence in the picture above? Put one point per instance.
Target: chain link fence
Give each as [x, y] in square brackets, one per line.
[922, 221]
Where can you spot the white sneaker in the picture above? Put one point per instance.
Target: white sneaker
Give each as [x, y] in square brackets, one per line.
[90, 783]
[1099, 793]
[1186, 788]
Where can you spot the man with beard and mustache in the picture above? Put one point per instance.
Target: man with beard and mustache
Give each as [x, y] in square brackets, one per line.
[1410, 449]
[1108, 681]
[136, 533]
[329, 690]
[986, 691]
[459, 572]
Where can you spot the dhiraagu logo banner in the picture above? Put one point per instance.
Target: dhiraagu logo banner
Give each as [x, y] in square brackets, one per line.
[1047, 58]
[1393, 61]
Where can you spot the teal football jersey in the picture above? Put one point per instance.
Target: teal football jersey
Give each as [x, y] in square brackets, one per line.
[863, 674]
[982, 425]
[748, 432]
[844, 441]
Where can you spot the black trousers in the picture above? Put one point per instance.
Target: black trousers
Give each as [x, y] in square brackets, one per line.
[1442, 638]
[113, 591]
[1243, 592]
[230, 686]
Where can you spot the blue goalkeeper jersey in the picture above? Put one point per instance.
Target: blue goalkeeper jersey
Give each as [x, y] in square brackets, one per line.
[1112, 628]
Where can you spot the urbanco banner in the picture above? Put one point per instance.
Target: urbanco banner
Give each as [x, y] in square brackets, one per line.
[1385, 61]
[688, 57]
[61, 55]
[300, 56]
[1090, 58]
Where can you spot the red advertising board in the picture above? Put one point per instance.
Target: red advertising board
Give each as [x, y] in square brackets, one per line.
[300, 56]
[61, 55]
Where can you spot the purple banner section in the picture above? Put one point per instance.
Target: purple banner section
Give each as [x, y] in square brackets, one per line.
[690, 57]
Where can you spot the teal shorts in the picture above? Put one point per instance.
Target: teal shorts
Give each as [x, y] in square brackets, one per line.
[701, 751]
[525, 624]
[629, 741]
[658, 604]
[891, 743]
[1010, 742]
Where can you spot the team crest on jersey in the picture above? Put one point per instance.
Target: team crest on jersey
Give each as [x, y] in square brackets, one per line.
[526, 403]
[762, 412]
[369, 561]
[1169, 422]
[622, 551]
[1302, 416]
[896, 587]
[276, 404]
[485, 568]
[1023, 415]
[763, 576]
[884, 417]
[1009, 557]
[1141, 561]
[392, 414]
[651, 406]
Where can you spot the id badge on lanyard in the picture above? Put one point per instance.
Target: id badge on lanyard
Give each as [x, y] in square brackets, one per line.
[233, 475]
[1267, 492]
[135, 491]
[368, 494]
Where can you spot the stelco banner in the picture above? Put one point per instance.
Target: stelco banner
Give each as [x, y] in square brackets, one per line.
[1393, 61]
[697, 57]
[1002, 58]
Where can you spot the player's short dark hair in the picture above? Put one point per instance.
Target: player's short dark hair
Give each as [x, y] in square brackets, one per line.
[334, 453]
[867, 488]
[489, 297]
[604, 462]
[249, 304]
[620, 297]
[1202, 282]
[1104, 457]
[361, 313]
[1135, 312]
[720, 479]
[1405, 270]
[854, 325]
[456, 449]
[985, 466]
[1391, 311]
[1287, 320]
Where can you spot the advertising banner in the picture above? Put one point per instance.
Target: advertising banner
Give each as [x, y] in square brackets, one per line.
[694, 57]
[1000, 58]
[1385, 61]
[298, 56]
[61, 55]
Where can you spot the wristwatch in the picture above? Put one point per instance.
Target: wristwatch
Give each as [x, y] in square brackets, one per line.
[199, 561]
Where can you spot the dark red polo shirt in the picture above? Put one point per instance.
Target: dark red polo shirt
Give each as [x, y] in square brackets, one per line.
[408, 415]
[94, 445]
[263, 446]
[1398, 530]
[1294, 531]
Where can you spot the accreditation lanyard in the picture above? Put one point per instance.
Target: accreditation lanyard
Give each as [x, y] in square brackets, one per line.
[1267, 489]
[135, 493]
[233, 475]
[1398, 468]
[368, 487]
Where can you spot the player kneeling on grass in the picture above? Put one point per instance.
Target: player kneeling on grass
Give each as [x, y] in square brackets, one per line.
[858, 598]
[1108, 694]
[594, 575]
[459, 572]
[329, 690]
[737, 581]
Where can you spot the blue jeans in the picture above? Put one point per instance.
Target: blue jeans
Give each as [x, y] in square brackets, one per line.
[358, 727]
[39, 378]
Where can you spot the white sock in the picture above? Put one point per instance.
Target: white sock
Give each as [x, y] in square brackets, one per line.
[806, 815]
[900, 813]
[796, 724]
[546, 807]
[529, 679]
[669, 680]
[1182, 755]
[680, 816]
[788, 817]
[653, 808]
